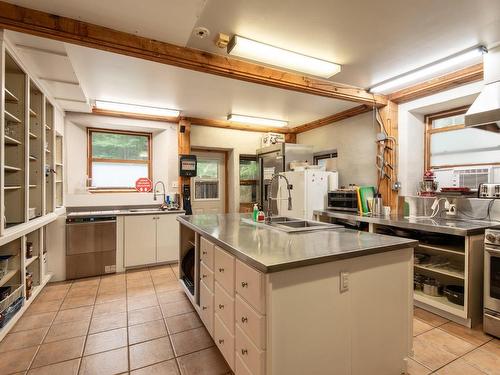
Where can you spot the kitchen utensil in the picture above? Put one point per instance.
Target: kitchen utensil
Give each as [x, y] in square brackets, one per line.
[378, 207]
[454, 294]
[432, 287]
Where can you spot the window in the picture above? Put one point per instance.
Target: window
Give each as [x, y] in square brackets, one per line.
[248, 182]
[322, 158]
[206, 183]
[117, 159]
[448, 143]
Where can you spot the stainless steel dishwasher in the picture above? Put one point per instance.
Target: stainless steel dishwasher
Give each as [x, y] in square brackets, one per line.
[90, 246]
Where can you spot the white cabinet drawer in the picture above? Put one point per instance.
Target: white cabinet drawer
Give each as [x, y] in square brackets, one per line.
[251, 322]
[250, 284]
[240, 367]
[252, 357]
[224, 341]
[207, 252]
[224, 270]
[224, 307]
[207, 276]
[207, 308]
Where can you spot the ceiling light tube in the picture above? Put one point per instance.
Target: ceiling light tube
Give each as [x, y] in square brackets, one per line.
[134, 108]
[429, 70]
[256, 120]
[267, 54]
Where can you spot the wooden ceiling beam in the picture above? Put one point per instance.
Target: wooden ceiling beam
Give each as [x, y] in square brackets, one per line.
[445, 82]
[331, 119]
[69, 30]
[236, 125]
[135, 116]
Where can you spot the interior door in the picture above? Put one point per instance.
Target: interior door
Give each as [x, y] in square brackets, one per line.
[208, 188]
[140, 240]
[167, 238]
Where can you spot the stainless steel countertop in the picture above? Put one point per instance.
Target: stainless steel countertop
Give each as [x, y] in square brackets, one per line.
[457, 227]
[123, 212]
[271, 250]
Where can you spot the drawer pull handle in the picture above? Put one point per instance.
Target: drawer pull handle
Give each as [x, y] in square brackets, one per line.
[244, 319]
[221, 307]
[203, 276]
[244, 351]
[244, 284]
[221, 341]
[204, 252]
[203, 307]
[221, 269]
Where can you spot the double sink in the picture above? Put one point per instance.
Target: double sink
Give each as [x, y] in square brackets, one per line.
[294, 225]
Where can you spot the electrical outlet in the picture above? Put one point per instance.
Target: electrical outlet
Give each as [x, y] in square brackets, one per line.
[344, 282]
[452, 209]
[175, 185]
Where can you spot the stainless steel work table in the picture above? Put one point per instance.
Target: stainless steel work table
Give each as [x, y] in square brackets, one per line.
[269, 250]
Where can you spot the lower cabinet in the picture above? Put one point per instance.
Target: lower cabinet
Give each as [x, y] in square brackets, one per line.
[150, 239]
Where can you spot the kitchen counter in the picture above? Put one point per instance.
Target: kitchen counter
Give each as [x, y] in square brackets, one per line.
[120, 212]
[458, 227]
[269, 250]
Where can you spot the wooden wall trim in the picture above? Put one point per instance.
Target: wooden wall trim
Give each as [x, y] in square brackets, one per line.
[331, 119]
[448, 81]
[135, 116]
[235, 125]
[69, 30]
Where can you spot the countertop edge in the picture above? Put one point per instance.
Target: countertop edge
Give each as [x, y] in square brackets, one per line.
[301, 263]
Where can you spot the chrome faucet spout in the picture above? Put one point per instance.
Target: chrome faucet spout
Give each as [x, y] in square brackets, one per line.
[269, 199]
[159, 182]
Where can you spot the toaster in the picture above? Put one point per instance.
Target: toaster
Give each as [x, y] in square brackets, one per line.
[490, 191]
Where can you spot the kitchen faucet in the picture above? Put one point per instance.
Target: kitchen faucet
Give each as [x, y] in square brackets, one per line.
[159, 182]
[269, 199]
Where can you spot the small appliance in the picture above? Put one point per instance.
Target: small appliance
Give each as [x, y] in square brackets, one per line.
[491, 318]
[428, 186]
[490, 191]
[343, 200]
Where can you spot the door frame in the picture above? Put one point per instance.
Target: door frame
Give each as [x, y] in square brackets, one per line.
[225, 186]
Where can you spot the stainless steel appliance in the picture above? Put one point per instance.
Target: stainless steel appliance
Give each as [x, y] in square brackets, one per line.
[276, 159]
[488, 191]
[491, 320]
[90, 246]
[343, 200]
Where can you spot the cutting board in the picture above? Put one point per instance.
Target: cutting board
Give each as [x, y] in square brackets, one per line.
[365, 193]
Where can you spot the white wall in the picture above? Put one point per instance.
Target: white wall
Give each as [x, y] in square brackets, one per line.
[411, 117]
[165, 159]
[237, 142]
[354, 140]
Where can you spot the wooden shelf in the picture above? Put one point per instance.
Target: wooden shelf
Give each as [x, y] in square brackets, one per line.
[8, 168]
[33, 158]
[444, 249]
[457, 275]
[441, 303]
[33, 136]
[11, 141]
[12, 187]
[58, 181]
[9, 117]
[10, 97]
[30, 260]
[47, 150]
[33, 186]
[7, 277]
[59, 164]
[47, 127]
[33, 113]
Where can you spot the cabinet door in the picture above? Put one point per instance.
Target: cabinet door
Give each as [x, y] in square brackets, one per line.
[140, 240]
[167, 238]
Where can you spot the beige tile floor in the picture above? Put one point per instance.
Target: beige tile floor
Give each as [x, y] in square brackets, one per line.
[141, 323]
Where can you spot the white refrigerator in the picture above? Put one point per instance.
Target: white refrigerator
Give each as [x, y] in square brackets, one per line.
[309, 192]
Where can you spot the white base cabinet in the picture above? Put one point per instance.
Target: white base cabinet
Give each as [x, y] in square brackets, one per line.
[150, 239]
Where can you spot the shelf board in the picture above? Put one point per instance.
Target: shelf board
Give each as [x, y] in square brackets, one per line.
[58, 181]
[33, 136]
[47, 150]
[441, 303]
[10, 97]
[7, 277]
[457, 275]
[11, 141]
[12, 187]
[445, 249]
[9, 117]
[33, 186]
[30, 260]
[59, 164]
[47, 127]
[33, 113]
[8, 168]
[33, 158]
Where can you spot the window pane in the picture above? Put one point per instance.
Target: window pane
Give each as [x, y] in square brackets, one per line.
[206, 190]
[463, 147]
[248, 193]
[207, 168]
[448, 121]
[120, 146]
[121, 175]
[248, 169]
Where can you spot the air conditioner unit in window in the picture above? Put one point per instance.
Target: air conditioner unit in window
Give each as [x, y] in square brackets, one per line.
[472, 177]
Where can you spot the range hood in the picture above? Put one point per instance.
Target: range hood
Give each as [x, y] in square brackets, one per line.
[484, 113]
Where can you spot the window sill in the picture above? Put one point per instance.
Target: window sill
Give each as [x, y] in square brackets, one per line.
[114, 190]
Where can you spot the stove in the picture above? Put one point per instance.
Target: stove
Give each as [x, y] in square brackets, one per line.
[491, 319]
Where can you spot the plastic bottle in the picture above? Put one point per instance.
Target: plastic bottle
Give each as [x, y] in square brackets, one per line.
[255, 212]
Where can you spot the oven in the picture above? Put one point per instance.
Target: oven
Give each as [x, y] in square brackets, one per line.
[491, 322]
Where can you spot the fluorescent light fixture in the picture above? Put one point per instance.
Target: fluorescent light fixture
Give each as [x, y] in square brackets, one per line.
[134, 108]
[252, 50]
[256, 120]
[429, 70]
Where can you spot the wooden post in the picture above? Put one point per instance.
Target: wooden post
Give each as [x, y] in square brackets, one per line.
[184, 147]
[389, 115]
[291, 138]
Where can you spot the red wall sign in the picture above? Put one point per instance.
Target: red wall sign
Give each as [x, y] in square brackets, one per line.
[143, 185]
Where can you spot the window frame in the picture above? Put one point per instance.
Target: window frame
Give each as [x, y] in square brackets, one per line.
[203, 179]
[91, 159]
[251, 182]
[327, 154]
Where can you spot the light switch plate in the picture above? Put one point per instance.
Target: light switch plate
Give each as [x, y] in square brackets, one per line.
[175, 185]
[344, 282]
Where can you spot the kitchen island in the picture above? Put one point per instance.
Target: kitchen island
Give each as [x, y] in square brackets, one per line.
[328, 301]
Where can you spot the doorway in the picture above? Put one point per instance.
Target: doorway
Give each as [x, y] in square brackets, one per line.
[209, 187]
